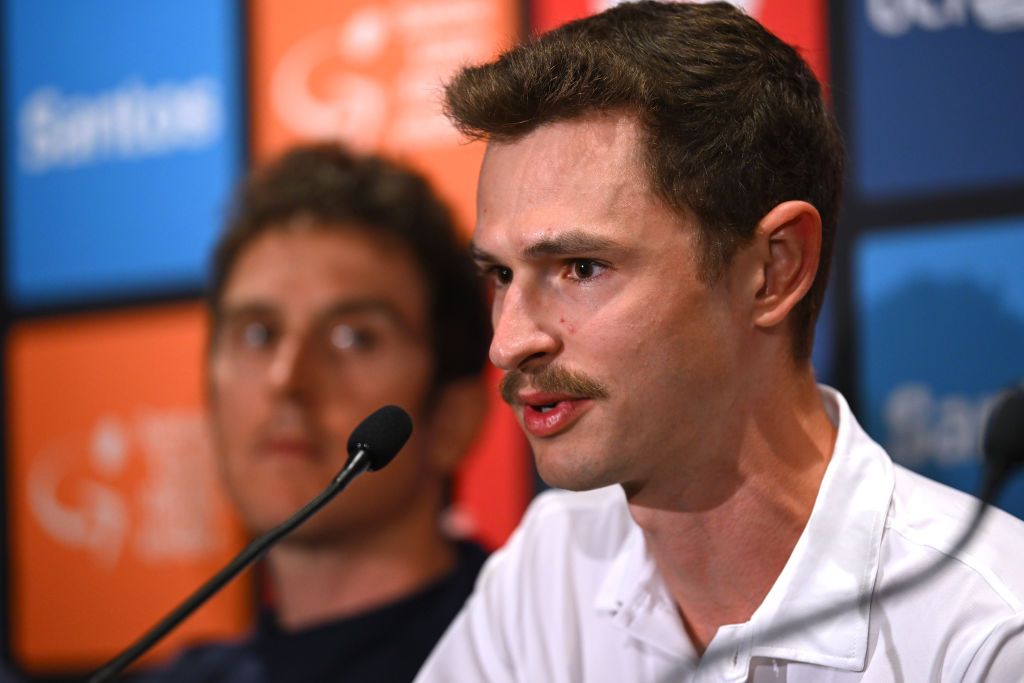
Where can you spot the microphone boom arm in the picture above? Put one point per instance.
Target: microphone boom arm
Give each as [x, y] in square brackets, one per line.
[356, 465]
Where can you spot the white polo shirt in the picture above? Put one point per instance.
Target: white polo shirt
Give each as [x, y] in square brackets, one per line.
[575, 595]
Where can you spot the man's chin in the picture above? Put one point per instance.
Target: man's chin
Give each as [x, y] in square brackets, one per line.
[307, 537]
[254, 528]
[572, 476]
[266, 518]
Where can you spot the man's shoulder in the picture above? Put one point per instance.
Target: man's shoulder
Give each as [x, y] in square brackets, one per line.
[932, 517]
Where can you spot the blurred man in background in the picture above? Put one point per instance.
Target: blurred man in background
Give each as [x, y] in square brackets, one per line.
[656, 212]
[340, 286]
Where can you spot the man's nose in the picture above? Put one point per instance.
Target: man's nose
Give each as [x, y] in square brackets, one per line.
[293, 367]
[522, 335]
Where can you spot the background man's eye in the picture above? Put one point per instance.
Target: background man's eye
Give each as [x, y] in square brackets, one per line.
[343, 337]
[347, 337]
[503, 275]
[256, 335]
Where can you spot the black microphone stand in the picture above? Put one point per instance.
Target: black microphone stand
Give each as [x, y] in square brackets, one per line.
[356, 465]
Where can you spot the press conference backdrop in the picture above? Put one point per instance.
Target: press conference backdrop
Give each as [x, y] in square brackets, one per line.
[929, 95]
[126, 124]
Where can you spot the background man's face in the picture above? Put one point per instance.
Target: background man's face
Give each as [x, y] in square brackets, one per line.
[597, 279]
[320, 328]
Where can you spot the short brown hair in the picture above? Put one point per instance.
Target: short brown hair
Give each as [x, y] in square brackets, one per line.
[733, 119]
[340, 190]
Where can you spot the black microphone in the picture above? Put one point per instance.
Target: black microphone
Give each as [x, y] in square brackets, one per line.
[371, 446]
[1003, 446]
[381, 436]
[1003, 443]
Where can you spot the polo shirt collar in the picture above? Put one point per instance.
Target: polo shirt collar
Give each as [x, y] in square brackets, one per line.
[834, 562]
[635, 598]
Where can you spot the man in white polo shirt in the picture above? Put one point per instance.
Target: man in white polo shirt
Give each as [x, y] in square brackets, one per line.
[656, 215]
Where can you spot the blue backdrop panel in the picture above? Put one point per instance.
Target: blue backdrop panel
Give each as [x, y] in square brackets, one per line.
[122, 140]
[823, 356]
[937, 90]
[941, 332]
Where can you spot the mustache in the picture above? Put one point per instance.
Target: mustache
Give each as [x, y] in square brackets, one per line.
[553, 380]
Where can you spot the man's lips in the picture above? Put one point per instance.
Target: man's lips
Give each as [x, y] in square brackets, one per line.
[548, 414]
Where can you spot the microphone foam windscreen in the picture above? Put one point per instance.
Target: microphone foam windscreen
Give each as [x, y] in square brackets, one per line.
[382, 435]
[1004, 433]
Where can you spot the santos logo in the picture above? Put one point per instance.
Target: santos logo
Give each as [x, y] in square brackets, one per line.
[896, 17]
[945, 430]
[132, 121]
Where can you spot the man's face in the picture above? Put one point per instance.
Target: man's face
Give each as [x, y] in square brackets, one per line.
[618, 355]
[319, 329]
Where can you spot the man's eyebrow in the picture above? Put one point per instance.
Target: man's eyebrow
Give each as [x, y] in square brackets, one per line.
[566, 244]
[479, 255]
[360, 306]
[370, 306]
[569, 243]
[245, 309]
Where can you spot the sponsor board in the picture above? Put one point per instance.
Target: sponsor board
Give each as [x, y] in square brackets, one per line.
[371, 74]
[120, 146]
[934, 96]
[824, 352]
[116, 511]
[800, 23]
[940, 334]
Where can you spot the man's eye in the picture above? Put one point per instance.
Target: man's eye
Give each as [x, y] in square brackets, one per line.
[256, 335]
[346, 337]
[501, 275]
[585, 269]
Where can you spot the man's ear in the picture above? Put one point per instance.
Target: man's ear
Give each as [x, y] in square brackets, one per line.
[790, 246]
[456, 414]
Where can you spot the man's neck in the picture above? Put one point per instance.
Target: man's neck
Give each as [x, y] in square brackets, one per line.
[720, 560]
[314, 584]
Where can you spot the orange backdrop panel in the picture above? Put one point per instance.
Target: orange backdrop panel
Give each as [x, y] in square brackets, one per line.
[370, 73]
[116, 510]
[801, 23]
[495, 482]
